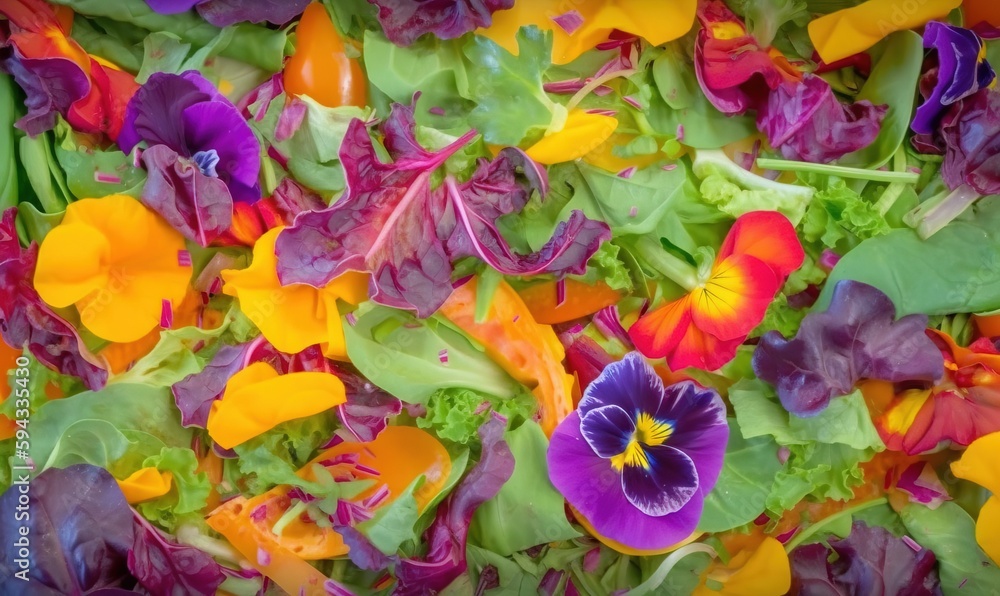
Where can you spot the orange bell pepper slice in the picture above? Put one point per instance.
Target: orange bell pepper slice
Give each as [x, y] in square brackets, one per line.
[580, 300]
[401, 454]
[320, 67]
[528, 351]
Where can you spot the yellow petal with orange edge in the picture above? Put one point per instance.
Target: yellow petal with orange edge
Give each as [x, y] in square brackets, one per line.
[582, 133]
[145, 484]
[139, 268]
[988, 528]
[628, 550]
[765, 572]
[979, 463]
[296, 316]
[72, 263]
[257, 399]
[901, 414]
[846, 32]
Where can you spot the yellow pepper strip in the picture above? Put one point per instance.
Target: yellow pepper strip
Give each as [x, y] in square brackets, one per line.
[654, 20]
[761, 572]
[257, 399]
[842, 34]
[117, 261]
[979, 464]
[528, 351]
[145, 484]
[582, 133]
[295, 316]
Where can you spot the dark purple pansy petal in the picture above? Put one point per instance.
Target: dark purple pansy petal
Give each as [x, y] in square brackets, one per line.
[223, 13]
[807, 122]
[405, 20]
[155, 112]
[51, 86]
[26, 320]
[666, 484]
[594, 488]
[447, 536]
[220, 127]
[608, 430]
[961, 72]
[627, 384]
[196, 392]
[172, 6]
[697, 418]
[858, 337]
[196, 205]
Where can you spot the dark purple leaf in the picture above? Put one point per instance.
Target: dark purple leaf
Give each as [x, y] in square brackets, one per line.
[291, 198]
[25, 319]
[446, 538]
[406, 20]
[223, 13]
[163, 566]
[857, 338]
[368, 408]
[51, 85]
[391, 223]
[807, 122]
[489, 579]
[198, 206]
[79, 528]
[362, 552]
[970, 133]
[195, 393]
[870, 561]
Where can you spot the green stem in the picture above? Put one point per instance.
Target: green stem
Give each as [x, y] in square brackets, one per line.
[895, 189]
[938, 212]
[287, 518]
[650, 585]
[826, 521]
[782, 165]
[673, 268]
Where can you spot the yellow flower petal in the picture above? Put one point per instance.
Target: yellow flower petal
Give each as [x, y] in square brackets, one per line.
[654, 20]
[145, 484]
[581, 134]
[846, 32]
[296, 316]
[765, 572]
[72, 263]
[124, 254]
[980, 464]
[257, 399]
[988, 528]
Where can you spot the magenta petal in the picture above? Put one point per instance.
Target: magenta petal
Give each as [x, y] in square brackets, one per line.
[663, 486]
[171, 6]
[594, 489]
[51, 86]
[607, 430]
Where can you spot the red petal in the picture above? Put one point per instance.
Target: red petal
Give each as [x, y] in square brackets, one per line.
[702, 350]
[767, 235]
[657, 333]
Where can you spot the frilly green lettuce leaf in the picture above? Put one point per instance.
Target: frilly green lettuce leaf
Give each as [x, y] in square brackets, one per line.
[189, 489]
[452, 413]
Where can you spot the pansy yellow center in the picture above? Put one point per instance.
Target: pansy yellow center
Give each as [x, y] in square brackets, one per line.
[649, 432]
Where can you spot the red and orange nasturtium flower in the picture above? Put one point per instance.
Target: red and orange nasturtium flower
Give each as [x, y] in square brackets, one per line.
[961, 408]
[119, 263]
[91, 93]
[704, 327]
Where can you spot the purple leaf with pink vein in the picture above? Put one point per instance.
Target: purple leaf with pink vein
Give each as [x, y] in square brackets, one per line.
[392, 223]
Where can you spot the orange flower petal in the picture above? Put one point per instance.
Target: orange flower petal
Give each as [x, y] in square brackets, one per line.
[980, 464]
[657, 333]
[734, 299]
[988, 528]
[145, 484]
[765, 572]
[768, 236]
[702, 350]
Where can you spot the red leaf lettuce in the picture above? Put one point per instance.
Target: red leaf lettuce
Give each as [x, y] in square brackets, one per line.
[393, 224]
[406, 20]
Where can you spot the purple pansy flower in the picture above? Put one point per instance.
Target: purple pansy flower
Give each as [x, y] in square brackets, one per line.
[637, 458]
[222, 13]
[201, 154]
[962, 70]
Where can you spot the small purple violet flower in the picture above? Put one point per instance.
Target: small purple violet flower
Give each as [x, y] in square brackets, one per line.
[962, 71]
[637, 458]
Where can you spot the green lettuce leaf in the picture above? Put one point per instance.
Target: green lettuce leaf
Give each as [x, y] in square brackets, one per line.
[948, 531]
[451, 413]
[528, 510]
[80, 163]
[747, 475]
[736, 191]
[394, 524]
[511, 105]
[102, 37]
[189, 489]
[273, 458]
[402, 355]
[818, 470]
[837, 213]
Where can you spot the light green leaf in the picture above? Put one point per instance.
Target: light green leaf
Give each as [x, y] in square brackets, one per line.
[747, 475]
[393, 524]
[528, 510]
